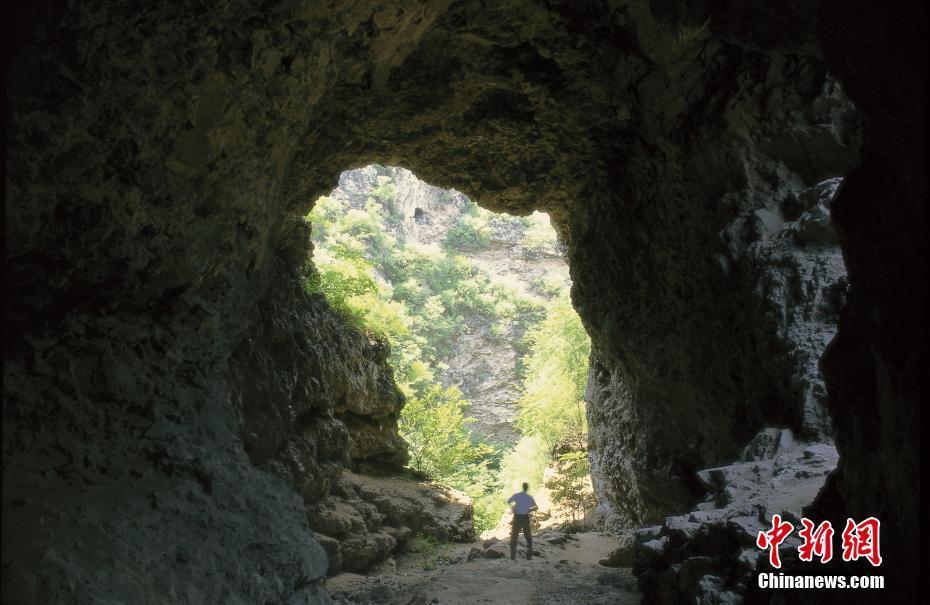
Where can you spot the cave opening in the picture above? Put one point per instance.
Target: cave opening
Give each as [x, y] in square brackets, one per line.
[485, 346]
[179, 411]
[425, 269]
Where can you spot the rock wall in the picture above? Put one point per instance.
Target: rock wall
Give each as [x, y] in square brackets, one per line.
[709, 555]
[874, 367]
[695, 135]
[782, 327]
[309, 396]
[364, 519]
[158, 159]
[124, 478]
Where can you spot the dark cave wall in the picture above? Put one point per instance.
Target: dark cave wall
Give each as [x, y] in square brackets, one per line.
[310, 396]
[152, 376]
[874, 368]
[697, 335]
[162, 357]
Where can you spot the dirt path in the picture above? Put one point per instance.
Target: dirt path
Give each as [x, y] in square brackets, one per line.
[566, 571]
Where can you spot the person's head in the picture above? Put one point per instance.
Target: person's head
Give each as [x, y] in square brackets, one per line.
[526, 486]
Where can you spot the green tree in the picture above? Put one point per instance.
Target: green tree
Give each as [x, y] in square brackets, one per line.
[526, 462]
[570, 487]
[469, 233]
[435, 427]
[553, 402]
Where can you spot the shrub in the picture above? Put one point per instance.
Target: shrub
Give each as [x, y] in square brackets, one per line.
[570, 487]
[553, 402]
[526, 462]
[435, 427]
[470, 233]
[431, 553]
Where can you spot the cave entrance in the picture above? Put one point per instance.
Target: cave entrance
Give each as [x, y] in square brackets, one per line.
[485, 343]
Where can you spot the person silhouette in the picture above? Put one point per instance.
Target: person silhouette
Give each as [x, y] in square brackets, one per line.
[523, 505]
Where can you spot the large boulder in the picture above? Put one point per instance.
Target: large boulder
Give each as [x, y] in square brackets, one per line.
[367, 518]
[709, 555]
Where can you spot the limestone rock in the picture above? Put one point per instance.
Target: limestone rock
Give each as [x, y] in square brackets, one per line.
[486, 553]
[336, 406]
[700, 556]
[366, 518]
[620, 557]
[616, 579]
[802, 285]
[555, 538]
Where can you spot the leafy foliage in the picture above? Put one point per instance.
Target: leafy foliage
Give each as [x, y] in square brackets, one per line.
[525, 463]
[571, 486]
[431, 552]
[434, 425]
[470, 233]
[552, 406]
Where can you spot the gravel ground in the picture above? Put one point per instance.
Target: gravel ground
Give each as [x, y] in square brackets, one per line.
[566, 571]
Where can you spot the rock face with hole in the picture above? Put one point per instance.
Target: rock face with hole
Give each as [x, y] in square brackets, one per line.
[159, 160]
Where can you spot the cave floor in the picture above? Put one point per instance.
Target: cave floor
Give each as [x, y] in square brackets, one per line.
[561, 573]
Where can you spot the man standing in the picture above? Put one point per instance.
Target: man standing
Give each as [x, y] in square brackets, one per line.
[523, 504]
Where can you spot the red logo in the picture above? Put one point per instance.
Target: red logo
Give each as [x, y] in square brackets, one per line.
[772, 538]
[817, 542]
[861, 540]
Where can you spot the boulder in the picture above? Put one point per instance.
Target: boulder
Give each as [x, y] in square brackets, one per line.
[373, 516]
[620, 557]
[485, 553]
[617, 579]
[710, 554]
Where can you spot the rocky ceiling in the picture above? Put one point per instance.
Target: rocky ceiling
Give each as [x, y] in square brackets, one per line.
[166, 381]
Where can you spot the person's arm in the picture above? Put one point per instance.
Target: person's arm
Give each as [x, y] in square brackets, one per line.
[533, 505]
